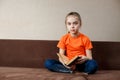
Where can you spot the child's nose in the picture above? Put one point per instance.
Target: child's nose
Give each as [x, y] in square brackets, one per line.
[72, 26]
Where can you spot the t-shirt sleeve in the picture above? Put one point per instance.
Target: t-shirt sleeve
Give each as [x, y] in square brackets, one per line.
[61, 43]
[87, 43]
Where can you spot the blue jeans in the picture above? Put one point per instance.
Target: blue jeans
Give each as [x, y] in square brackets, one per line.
[56, 66]
[89, 66]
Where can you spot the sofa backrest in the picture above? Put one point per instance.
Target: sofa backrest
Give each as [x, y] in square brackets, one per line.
[107, 54]
[33, 53]
[26, 53]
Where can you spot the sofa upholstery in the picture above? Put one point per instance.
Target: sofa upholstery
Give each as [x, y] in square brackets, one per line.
[24, 60]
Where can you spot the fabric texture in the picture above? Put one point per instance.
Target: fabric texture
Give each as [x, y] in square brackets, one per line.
[89, 66]
[74, 46]
[56, 66]
[19, 73]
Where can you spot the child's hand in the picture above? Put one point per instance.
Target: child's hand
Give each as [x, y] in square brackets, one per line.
[73, 67]
[81, 60]
[65, 60]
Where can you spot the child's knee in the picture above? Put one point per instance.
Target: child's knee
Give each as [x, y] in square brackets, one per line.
[48, 63]
[92, 63]
[91, 66]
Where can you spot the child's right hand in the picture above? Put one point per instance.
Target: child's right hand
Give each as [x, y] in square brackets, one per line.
[73, 67]
[66, 60]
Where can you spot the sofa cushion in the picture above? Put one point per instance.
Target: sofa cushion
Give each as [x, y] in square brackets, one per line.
[12, 73]
[105, 75]
[19, 73]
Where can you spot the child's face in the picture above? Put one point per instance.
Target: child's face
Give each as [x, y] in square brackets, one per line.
[73, 24]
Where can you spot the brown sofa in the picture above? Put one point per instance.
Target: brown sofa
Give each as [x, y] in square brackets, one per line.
[24, 60]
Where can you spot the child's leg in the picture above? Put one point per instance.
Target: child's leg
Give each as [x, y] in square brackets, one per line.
[54, 65]
[90, 66]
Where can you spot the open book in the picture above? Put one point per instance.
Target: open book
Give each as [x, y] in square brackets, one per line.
[70, 61]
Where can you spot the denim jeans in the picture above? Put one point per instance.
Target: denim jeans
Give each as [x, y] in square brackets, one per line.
[56, 66]
[89, 66]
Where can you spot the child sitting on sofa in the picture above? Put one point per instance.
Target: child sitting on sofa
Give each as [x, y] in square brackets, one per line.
[71, 44]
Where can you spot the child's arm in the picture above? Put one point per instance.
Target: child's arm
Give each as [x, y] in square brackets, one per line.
[61, 59]
[89, 54]
[64, 59]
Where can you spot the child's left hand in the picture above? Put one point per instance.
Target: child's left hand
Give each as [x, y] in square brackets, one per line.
[81, 60]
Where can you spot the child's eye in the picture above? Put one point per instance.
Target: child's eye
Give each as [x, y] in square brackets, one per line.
[75, 23]
[69, 23]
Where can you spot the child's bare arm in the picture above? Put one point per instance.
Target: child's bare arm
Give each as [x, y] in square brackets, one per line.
[64, 59]
[89, 54]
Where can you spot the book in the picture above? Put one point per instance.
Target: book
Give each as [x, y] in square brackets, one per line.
[70, 61]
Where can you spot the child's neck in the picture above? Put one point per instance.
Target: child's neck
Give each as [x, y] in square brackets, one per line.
[75, 35]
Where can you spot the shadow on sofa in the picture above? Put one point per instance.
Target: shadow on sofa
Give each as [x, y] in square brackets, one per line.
[24, 60]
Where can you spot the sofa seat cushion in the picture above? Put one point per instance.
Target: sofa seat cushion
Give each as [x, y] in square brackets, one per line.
[105, 75]
[19, 73]
[13, 73]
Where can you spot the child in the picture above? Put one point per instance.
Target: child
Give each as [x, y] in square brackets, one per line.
[71, 44]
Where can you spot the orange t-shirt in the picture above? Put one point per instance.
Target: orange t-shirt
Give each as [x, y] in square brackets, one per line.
[74, 45]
